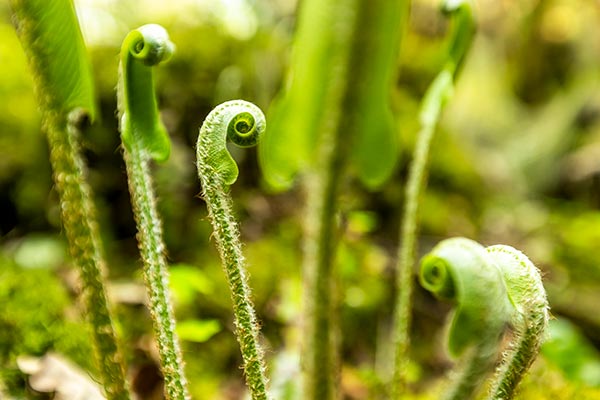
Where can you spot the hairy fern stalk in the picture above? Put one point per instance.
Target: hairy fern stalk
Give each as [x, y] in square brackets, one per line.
[530, 319]
[144, 138]
[50, 35]
[242, 123]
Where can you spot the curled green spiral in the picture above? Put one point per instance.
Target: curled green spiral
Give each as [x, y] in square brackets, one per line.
[461, 270]
[493, 288]
[242, 130]
[143, 48]
[149, 44]
[435, 277]
[240, 121]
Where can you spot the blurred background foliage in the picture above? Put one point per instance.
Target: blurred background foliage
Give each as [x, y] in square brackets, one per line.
[516, 161]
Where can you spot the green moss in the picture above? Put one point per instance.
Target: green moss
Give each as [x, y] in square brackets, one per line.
[34, 320]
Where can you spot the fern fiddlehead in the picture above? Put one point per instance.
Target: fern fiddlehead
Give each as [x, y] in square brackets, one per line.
[493, 288]
[140, 124]
[144, 138]
[460, 270]
[242, 123]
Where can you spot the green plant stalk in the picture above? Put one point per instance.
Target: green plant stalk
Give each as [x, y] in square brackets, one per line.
[320, 331]
[144, 138]
[335, 109]
[152, 250]
[517, 360]
[243, 123]
[320, 352]
[471, 372]
[530, 321]
[351, 121]
[408, 233]
[435, 98]
[79, 220]
[52, 40]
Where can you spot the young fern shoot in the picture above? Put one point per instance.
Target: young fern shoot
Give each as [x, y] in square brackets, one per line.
[529, 321]
[432, 105]
[242, 123]
[144, 138]
[50, 35]
[493, 288]
[460, 270]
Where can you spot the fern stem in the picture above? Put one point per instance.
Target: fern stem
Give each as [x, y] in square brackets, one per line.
[475, 366]
[530, 321]
[152, 250]
[226, 235]
[145, 138]
[406, 258]
[216, 170]
[51, 38]
[79, 220]
[432, 105]
[430, 114]
[320, 347]
[518, 359]
[323, 180]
